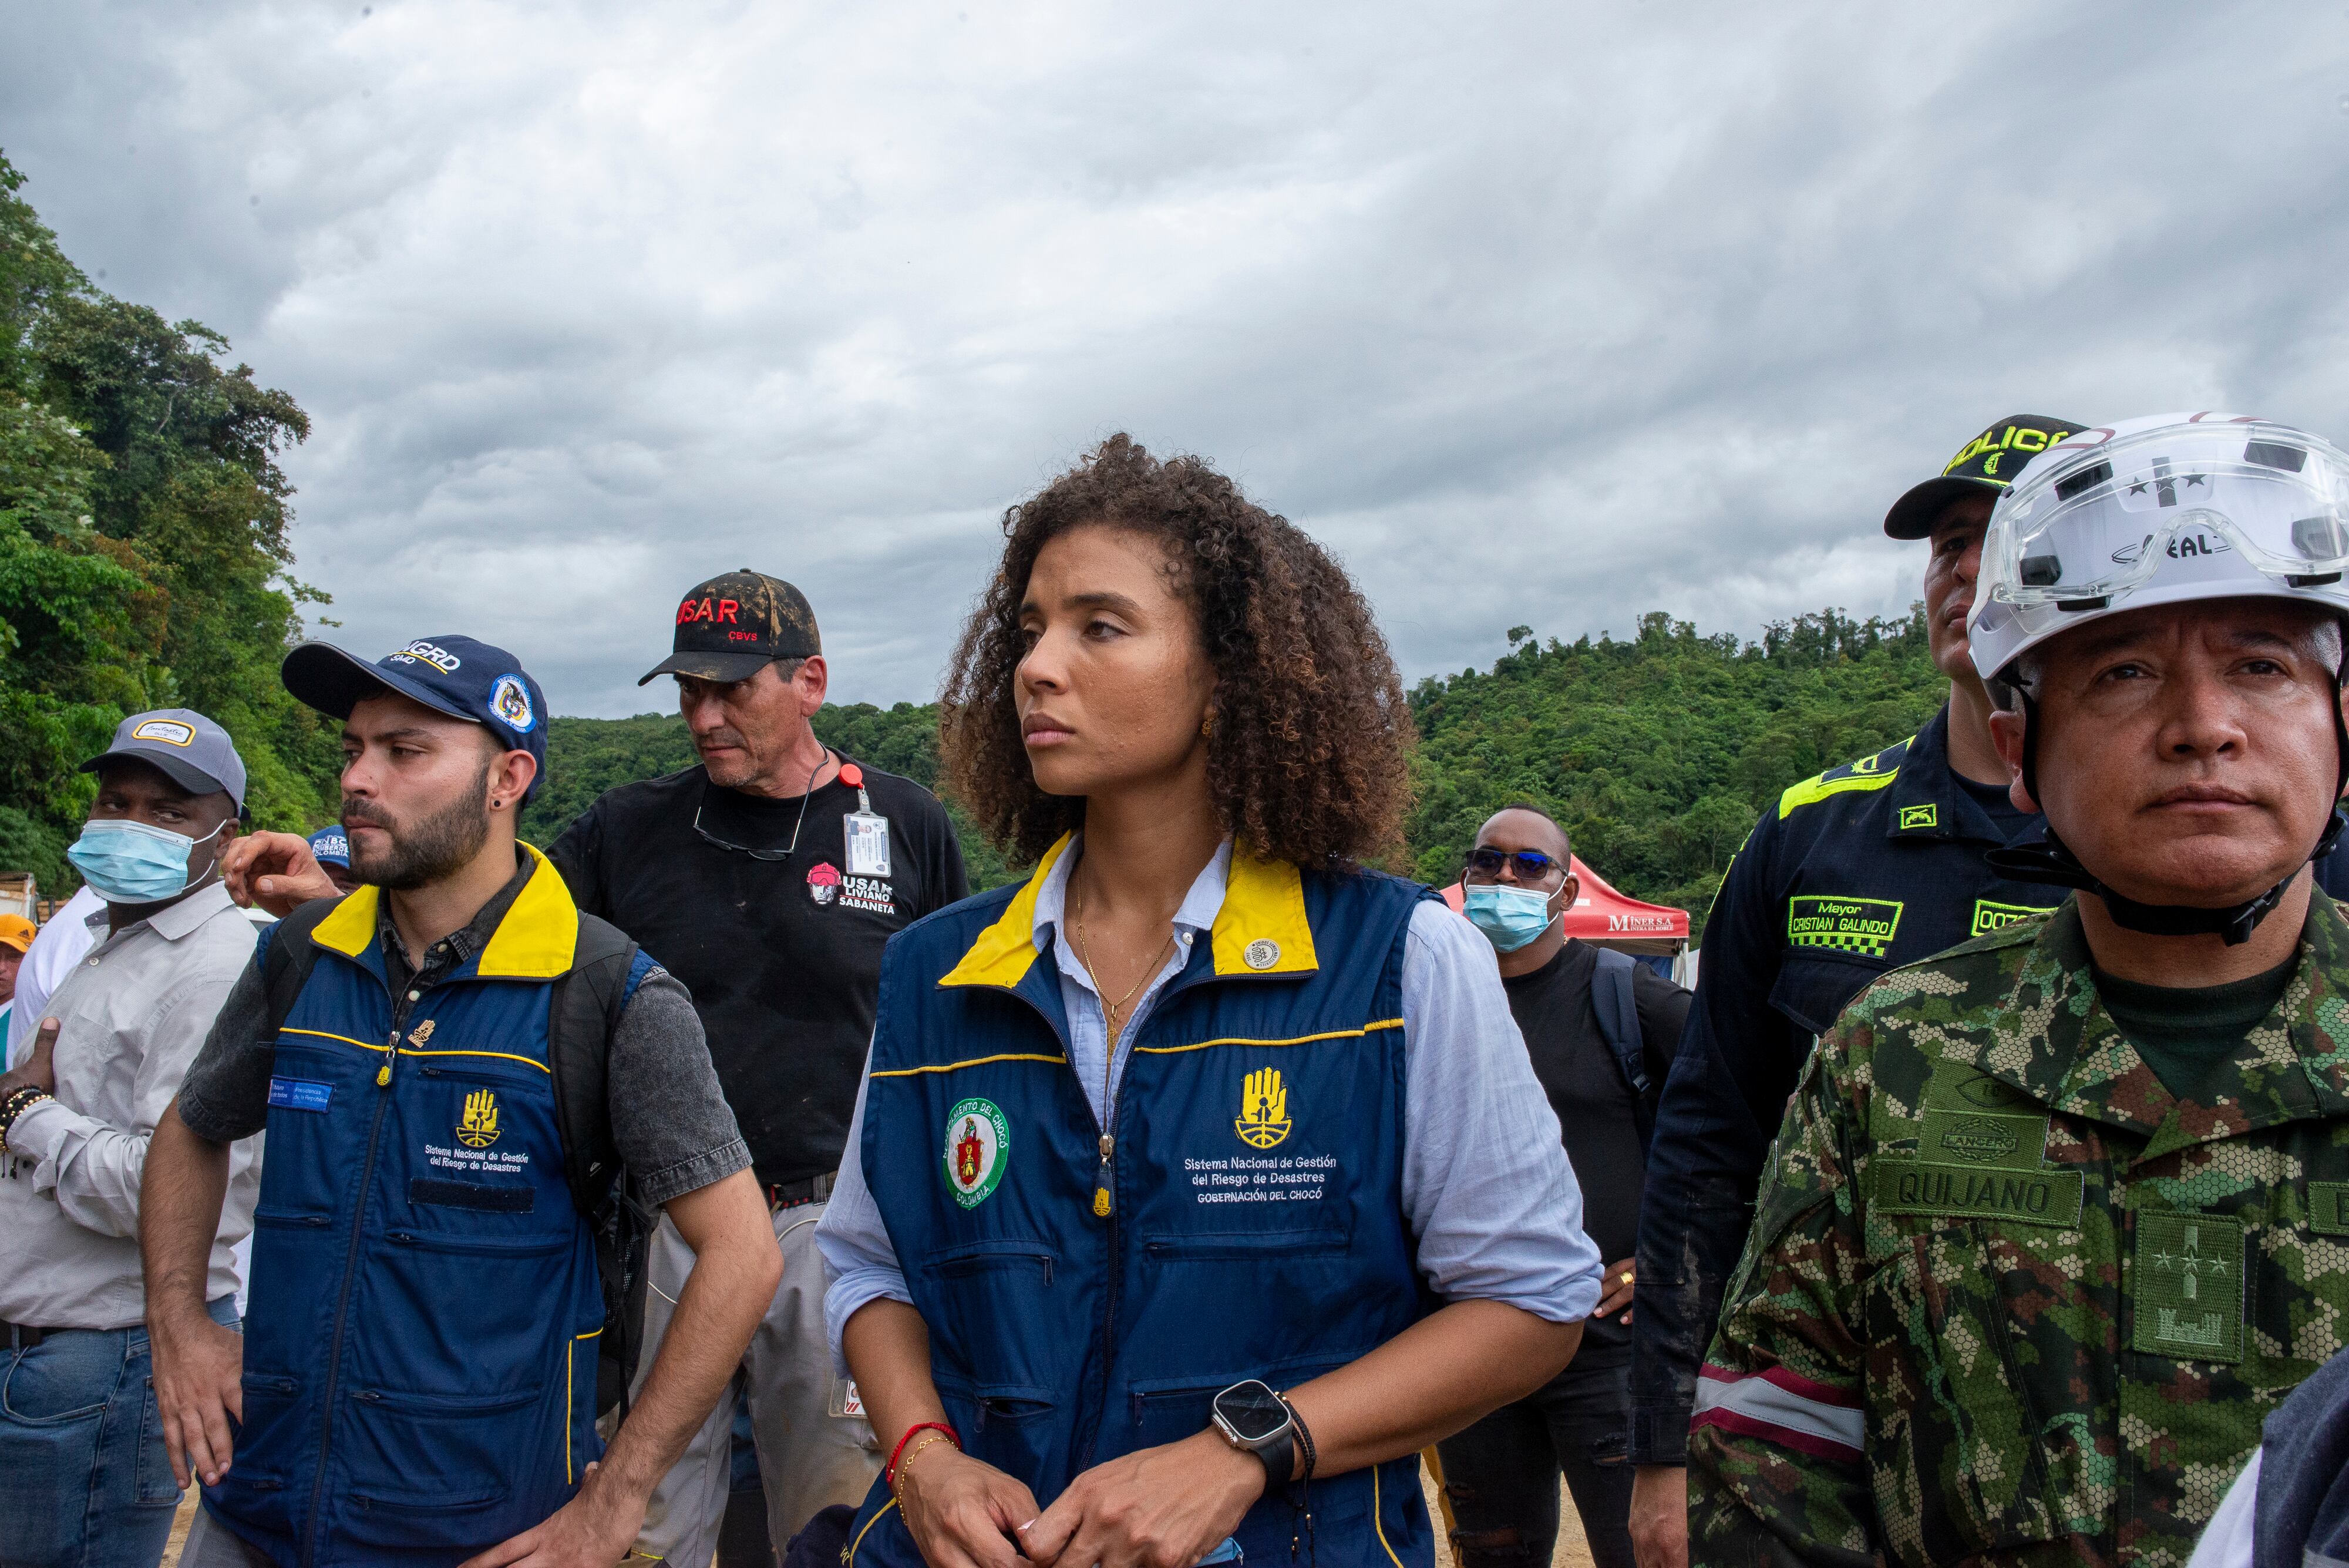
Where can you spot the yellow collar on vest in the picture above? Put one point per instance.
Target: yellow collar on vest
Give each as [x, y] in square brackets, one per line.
[534, 942]
[1260, 930]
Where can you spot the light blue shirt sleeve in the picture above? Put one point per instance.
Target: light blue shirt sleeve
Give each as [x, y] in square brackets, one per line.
[1486, 1188]
[1486, 1182]
[859, 1264]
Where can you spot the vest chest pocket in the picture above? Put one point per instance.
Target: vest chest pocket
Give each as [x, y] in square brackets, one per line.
[478, 1141]
[1954, 1440]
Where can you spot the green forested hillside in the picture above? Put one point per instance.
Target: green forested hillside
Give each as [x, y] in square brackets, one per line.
[144, 547]
[1658, 752]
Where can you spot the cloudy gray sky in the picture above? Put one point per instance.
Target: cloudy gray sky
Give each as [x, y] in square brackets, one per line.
[1541, 313]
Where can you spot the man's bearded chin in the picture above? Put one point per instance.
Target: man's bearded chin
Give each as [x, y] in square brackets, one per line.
[437, 847]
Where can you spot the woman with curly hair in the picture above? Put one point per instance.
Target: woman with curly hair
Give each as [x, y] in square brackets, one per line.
[1202, 1180]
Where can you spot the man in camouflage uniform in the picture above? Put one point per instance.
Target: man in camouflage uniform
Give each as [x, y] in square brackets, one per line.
[2031, 1260]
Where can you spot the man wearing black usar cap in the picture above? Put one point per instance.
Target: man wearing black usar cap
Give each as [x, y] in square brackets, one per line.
[768, 878]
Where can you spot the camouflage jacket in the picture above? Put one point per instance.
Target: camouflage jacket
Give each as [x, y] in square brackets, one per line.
[2006, 1297]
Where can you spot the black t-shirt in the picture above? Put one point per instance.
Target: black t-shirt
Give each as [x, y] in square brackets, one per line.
[2186, 1033]
[1596, 1113]
[782, 956]
[1995, 803]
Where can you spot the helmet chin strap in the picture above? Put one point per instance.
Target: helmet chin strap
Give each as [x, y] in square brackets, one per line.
[2050, 860]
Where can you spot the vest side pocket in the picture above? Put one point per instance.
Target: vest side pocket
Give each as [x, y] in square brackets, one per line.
[476, 1302]
[1169, 1409]
[987, 1285]
[1008, 1424]
[436, 1468]
[274, 1430]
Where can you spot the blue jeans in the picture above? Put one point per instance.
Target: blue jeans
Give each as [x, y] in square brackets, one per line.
[84, 1479]
[1501, 1475]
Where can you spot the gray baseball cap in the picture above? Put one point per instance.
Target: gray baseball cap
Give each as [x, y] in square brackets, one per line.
[188, 748]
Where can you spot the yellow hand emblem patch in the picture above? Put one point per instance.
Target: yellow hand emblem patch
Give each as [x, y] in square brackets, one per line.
[1264, 1109]
[479, 1128]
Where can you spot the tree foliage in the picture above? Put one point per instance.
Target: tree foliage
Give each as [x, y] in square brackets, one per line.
[143, 548]
[1659, 753]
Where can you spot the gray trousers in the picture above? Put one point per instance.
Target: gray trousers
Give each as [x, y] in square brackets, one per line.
[813, 1452]
[210, 1546]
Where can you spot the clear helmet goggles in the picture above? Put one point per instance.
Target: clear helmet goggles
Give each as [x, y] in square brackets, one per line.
[2175, 507]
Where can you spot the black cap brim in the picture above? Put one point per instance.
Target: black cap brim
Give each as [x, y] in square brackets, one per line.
[192, 779]
[324, 676]
[719, 667]
[1913, 515]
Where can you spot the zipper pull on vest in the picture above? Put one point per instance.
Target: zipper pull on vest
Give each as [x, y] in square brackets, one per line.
[1101, 1182]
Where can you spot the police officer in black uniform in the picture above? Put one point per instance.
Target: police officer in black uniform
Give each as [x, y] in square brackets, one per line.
[1869, 866]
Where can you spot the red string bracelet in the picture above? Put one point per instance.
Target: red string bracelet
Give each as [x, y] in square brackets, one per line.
[889, 1471]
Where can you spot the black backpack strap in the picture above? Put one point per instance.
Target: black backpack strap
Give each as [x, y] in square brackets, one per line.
[588, 1004]
[1612, 998]
[287, 958]
[589, 1001]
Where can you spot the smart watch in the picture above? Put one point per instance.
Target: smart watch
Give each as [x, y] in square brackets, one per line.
[1253, 1418]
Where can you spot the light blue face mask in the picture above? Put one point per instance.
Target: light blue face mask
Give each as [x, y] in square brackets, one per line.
[1509, 916]
[132, 863]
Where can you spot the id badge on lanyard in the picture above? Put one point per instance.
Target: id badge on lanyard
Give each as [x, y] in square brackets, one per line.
[865, 832]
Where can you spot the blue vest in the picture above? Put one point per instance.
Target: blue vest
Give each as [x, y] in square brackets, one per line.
[1251, 1220]
[419, 1354]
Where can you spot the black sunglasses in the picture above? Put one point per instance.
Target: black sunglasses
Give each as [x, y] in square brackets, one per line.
[1531, 864]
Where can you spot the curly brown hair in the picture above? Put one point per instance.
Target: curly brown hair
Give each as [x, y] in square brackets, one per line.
[1309, 757]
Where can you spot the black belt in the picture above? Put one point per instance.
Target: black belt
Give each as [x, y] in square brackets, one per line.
[24, 1335]
[791, 1194]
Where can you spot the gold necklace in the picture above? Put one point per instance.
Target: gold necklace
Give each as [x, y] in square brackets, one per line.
[1085, 957]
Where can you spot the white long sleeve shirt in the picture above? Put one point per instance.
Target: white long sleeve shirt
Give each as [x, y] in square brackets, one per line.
[133, 1013]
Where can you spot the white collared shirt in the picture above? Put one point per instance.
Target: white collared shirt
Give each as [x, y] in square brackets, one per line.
[1486, 1187]
[133, 1011]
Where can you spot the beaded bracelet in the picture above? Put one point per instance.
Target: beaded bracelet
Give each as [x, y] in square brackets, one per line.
[21, 1098]
[889, 1470]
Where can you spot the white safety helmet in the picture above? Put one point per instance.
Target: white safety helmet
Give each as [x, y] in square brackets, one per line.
[2163, 510]
[2167, 510]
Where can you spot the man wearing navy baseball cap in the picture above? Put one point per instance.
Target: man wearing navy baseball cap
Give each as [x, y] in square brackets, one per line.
[452, 1062]
[331, 848]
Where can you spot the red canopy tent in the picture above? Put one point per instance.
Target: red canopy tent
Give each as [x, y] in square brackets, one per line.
[1611, 919]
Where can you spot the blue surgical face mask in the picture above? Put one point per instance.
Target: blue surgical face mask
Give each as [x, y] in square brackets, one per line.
[132, 863]
[1509, 916]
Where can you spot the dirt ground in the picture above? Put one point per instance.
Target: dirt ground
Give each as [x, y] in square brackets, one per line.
[1571, 1552]
[180, 1524]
